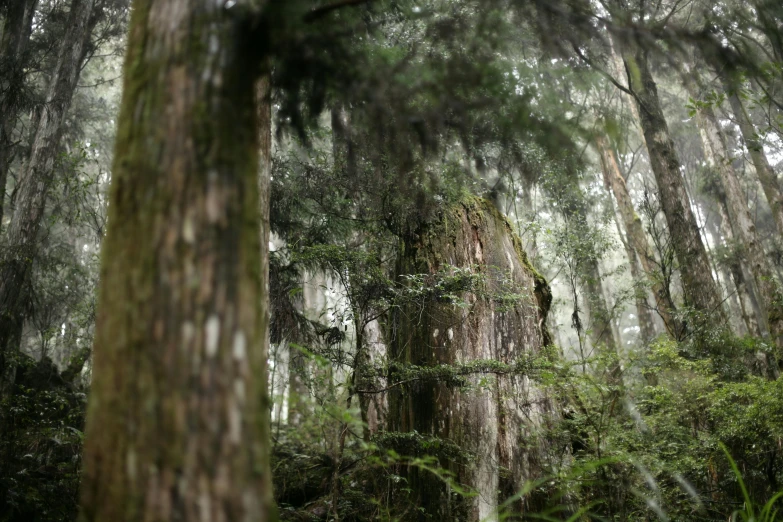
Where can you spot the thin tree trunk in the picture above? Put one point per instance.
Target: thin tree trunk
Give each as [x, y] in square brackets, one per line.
[600, 317]
[739, 297]
[602, 334]
[646, 319]
[177, 426]
[17, 26]
[15, 267]
[530, 237]
[643, 315]
[636, 235]
[699, 287]
[767, 178]
[764, 285]
[770, 13]
[343, 153]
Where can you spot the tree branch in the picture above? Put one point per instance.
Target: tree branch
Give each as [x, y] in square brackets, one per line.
[320, 12]
[604, 73]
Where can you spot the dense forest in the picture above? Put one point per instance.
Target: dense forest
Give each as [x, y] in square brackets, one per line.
[351, 260]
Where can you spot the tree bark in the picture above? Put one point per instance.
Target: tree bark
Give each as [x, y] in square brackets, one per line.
[767, 178]
[17, 27]
[740, 300]
[699, 287]
[770, 18]
[637, 238]
[21, 237]
[763, 283]
[643, 314]
[177, 424]
[494, 421]
[600, 330]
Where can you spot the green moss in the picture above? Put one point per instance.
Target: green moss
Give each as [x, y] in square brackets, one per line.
[413, 444]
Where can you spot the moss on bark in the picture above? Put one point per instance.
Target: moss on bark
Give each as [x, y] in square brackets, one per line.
[494, 418]
[177, 414]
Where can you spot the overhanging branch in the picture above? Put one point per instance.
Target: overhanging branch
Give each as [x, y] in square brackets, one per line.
[320, 12]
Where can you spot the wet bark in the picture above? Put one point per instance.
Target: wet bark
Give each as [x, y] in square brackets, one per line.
[699, 288]
[34, 184]
[496, 419]
[17, 26]
[178, 416]
[636, 236]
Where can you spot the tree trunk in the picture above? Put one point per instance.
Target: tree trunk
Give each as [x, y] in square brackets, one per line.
[177, 425]
[600, 328]
[699, 287]
[636, 235]
[17, 26]
[496, 419]
[770, 18]
[740, 299]
[21, 237]
[643, 315]
[764, 285]
[767, 178]
[264, 125]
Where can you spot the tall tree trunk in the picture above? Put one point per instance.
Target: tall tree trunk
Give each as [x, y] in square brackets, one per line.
[763, 282]
[738, 293]
[767, 178]
[600, 317]
[699, 287]
[602, 334]
[636, 235]
[177, 421]
[17, 26]
[644, 317]
[22, 234]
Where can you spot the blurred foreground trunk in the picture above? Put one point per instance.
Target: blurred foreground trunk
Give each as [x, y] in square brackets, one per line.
[177, 423]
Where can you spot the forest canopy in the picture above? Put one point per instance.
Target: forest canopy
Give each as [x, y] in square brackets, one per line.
[391, 260]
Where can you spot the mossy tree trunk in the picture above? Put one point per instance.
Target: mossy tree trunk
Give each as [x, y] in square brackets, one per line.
[34, 184]
[177, 420]
[496, 418]
[699, 287]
